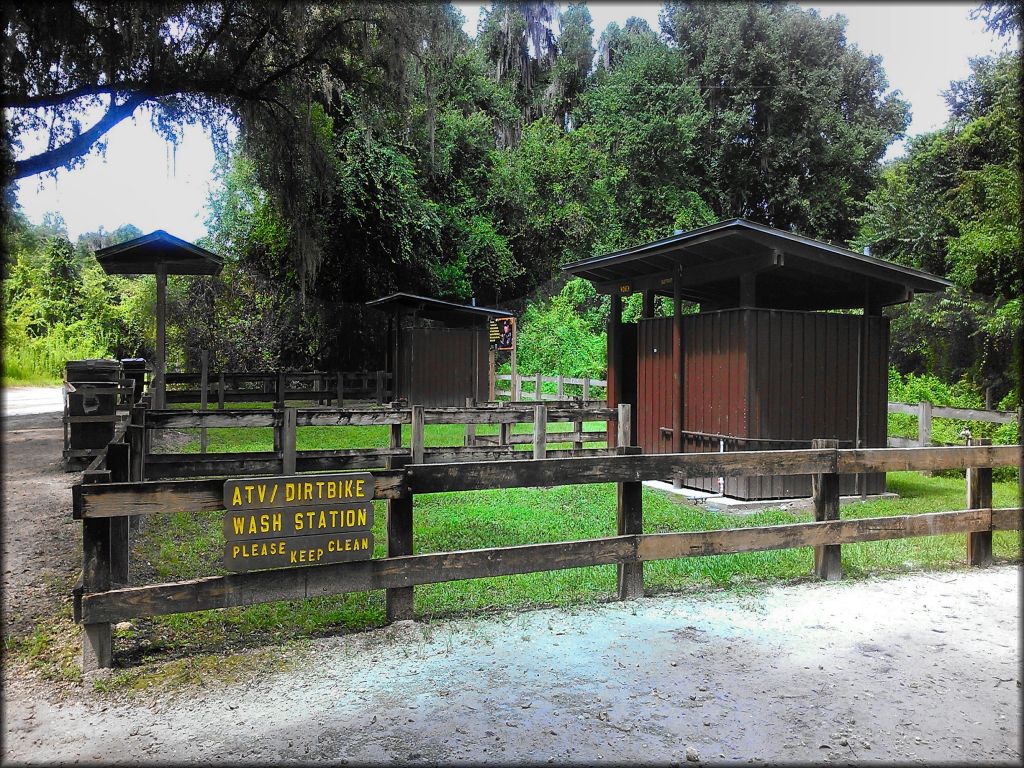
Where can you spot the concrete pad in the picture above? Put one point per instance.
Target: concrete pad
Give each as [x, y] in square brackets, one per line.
[720, 503]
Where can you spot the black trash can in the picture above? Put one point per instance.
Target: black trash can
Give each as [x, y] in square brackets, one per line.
[83, 402]
[136, 368]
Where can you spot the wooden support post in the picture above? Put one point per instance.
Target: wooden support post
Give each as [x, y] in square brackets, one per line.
[648, 308]
[220, 392]
[282, 393]
[492, 395]
[504, 430]
[825, 488]
[979, 496]
[586, 388]
[924, 424]
[561, 387]
[399, 600]
[278, 427]
[204, 393]
[540, 431]
[119, 464]
[417, 433]
[339, 403]
[624, 436]
[613, 382]
[537, 387]
[97, 642]
[160, 364]
[629, 515]
[288, 430]
[470, 428]
[514, 381]
[395, 438]
[380, 387]
[678, 366]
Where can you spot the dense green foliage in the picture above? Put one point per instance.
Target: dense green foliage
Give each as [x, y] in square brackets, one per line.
[58, 302]
[952, 205]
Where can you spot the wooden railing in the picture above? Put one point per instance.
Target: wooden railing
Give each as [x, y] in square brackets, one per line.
[285, 458]
[564, 386]
[925, 412]
[324, 387]
[119, 496]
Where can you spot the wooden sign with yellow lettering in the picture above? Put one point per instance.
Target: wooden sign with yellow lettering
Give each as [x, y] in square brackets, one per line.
[289, 551]
[297, 491]
[280, 522]
[277, 523]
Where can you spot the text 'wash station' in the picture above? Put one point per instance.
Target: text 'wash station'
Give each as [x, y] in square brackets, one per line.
[764, 364]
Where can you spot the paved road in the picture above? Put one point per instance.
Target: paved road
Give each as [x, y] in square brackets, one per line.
[19, 401]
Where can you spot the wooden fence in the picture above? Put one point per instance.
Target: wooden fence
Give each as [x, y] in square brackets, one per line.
[926, 411]
[279, 386]
[106, 500]
[285, 458]
[564, 386]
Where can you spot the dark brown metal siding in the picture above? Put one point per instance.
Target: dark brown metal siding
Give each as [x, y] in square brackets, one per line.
[786, 376]
[655, 386]
[803, 385]
[715, 386]
[442, 366]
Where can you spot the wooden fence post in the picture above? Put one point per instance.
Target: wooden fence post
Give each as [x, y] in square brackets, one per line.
[537, 388]
[540, 431]
[825, 488]
[97, 642]
[398, 601]
[119, 464]
[470, 428]
[504, 429]
[514, 382]
[204, 393]
[220, 392]
[281, 391]
[561, 387]
[629, 514]
[586, 388]
[924, 423]
[979, 496]
[492, 394]
[380, 387]
[416, 439]
[278, 426]
[341, 390]
[288, 441]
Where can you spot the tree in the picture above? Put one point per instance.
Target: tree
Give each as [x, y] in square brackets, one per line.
[798, 118]
[952, 205]
[187, 62]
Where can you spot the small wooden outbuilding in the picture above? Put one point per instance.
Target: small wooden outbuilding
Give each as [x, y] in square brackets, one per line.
[767, 363]
[437, 351]
[160, 254]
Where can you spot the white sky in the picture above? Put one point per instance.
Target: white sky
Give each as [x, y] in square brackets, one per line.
[143, 181]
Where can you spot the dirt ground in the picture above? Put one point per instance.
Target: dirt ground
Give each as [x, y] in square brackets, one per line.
[921, 668]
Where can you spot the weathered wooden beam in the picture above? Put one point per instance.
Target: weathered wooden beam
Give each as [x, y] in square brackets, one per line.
[115, 499]
[825, 489]
[852, 461]
[392, 573]
[979, 496]
[612, 469]
[299, 583]
[666, 546]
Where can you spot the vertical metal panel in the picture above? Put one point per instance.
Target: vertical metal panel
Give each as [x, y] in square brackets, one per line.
[441, 366]
[774, 374]
[656, 398]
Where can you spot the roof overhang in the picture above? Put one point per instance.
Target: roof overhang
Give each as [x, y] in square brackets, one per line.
[144, 255]
[439, 310]
[792, 271]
